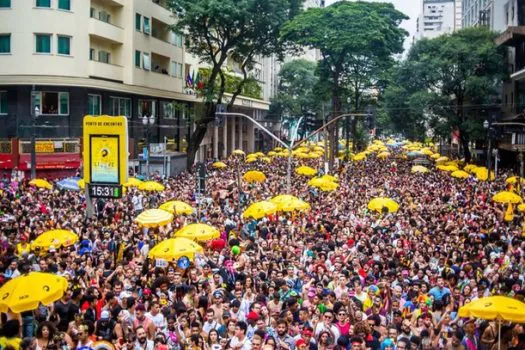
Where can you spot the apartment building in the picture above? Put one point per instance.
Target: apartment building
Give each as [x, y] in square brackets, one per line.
[437, 17]
[70, 58]
[489, 13]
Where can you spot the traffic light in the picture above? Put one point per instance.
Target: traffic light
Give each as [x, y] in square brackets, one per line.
[310, 121]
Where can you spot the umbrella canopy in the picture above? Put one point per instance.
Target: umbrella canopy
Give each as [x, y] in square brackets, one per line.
[427, 152]
[506, 197]
[419, 169]
[238, 152]
[198, 232]
[254, 176]
[323, 184]
[495, 307]
[133, 182]
[379, 203]
[41, 183]
[259, 210]
[470, 168]
[383, 155]
[460, 174]
[521, 208]
[219, 165]
[54, 239]
[359, 157]
[251, 160]
[306, 171]
[287, 203]
[449, 168]
[513, 180]
[177, 208]
[435, 156]
[81, 183]
[26, 292]
[442, 160]
[175, 248]
[154, 218]
[482, 174]
[266, 159]
[151, 186]
[70, 184]
[329, 178]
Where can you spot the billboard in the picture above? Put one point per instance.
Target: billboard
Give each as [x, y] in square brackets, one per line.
[105, 149]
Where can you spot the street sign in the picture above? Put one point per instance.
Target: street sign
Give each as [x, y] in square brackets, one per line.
[145, 153]
[105, 152]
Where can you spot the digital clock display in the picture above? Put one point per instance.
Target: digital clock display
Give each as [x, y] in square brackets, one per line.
[105, 191]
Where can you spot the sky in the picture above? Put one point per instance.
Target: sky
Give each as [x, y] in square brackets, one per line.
[410, 8]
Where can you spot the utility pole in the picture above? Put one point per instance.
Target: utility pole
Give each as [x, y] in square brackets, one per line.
[36, 114]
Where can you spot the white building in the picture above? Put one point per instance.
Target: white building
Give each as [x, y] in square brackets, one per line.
[491, 13]
[437, 17]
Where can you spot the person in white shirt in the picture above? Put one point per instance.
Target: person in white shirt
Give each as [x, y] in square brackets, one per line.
[156, 316]
[239, 340]
[210, 323]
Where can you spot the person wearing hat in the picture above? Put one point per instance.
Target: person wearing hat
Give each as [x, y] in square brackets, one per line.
[104, 327]
[251, 318]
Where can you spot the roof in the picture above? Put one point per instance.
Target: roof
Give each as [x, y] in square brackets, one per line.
[512, 36]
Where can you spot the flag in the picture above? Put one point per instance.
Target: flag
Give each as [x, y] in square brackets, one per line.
[189, 81]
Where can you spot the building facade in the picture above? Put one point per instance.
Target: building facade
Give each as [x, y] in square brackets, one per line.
[68, 58]
[437, 17]
[489, 13]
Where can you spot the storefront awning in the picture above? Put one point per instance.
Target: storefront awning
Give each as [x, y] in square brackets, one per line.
[512, 36]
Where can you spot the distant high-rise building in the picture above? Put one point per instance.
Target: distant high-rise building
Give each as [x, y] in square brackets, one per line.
[489, 13]
[458, 15]
[437, 17]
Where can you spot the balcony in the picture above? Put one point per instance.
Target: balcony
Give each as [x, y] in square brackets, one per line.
[162, 3]
[106, 71]
[160, 30]
[105, 31]
[117, 3]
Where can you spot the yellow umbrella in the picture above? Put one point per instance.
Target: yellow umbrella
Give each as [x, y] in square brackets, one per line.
[329, 178]
[198, 232]
[506, 197]
[154, 218]
[27, 292]
[470, 168]
[41, 183]
[175, 248]
[419, 169]
[54, 239]
[133, 182]
[278, 149]
[287, 203]
[81, 183]
[379, 203]
[427, 152]
[306, 171]
[359, 157]
[251, 160]
[254, 176]
[509, 213]
[442, 160]
[460, 174]
[266, 159]
[513, 180]
[239, 152]
[177, 208]
[383, 155]
[328, 186]
[219, 165]
[495, 308]
[449, 168]
[482, 174]
[259, 154]
[259, 210]
[151, 186]
[435, 156]
[272, 154]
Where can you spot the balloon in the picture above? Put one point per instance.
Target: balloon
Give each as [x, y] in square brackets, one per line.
[183, 262]
[236, 250]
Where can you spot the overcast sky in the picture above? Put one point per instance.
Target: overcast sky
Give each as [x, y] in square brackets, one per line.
[408, 7]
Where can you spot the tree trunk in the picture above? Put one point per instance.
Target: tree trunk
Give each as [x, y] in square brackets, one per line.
[198, 134]
[463, 134]
[332, 129]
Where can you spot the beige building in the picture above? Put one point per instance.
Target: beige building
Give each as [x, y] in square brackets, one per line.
[70, 58]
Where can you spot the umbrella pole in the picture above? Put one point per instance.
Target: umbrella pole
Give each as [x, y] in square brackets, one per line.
[499, 334]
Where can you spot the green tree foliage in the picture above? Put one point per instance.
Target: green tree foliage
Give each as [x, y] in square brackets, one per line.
[356, 41]
[445, 82]
[296, 93]
[219, 30]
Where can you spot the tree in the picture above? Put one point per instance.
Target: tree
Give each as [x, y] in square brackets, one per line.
[295, 94]
[444, 80]
[218, 30]
[356, 41]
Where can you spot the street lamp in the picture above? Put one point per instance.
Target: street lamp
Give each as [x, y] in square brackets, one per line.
[147, 122]
[36, 114]
[486, 126]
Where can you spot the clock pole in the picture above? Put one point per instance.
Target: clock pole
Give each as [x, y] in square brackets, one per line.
[89, 203]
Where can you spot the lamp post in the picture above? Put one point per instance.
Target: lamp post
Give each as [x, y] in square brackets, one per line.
[36, 114]
[486, 126]
[147, 122]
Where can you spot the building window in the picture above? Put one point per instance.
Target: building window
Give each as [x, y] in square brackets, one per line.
[169, 110]
[176, 39]
[43, 3]
[120, 106]
[146, 108]
[3, 102]
[176, 69]
[137, 58]
[5, 43]
[138, 20]
[5, 3]
[104, 17]
[64, 5]
[64, 45]
[104, 57]
[91, 54]
[146, 61]
[92, 12]
[51, 103]
[94, 105]
[146, 27]
[43, 43]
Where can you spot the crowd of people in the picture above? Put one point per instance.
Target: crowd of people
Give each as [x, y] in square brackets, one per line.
[337, 276]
